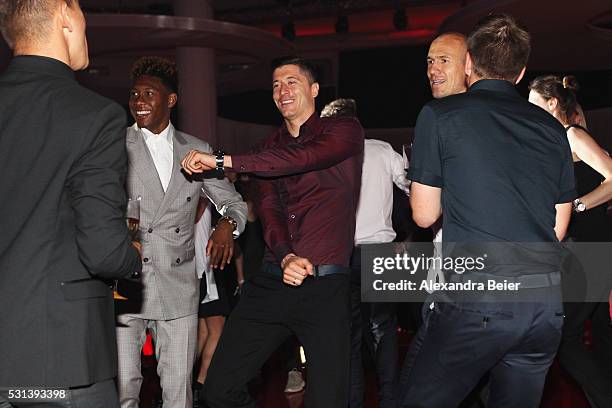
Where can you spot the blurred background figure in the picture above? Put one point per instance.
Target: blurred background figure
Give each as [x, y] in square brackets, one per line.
[382, 168]
[214, 297]
[589, 223]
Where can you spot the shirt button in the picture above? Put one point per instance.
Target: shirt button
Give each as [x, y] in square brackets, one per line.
[241, 167]
[291, 236]
[145, 260]
[177, 230]
[188, 198]
[150, 230]
[292, 216]
[178, 260]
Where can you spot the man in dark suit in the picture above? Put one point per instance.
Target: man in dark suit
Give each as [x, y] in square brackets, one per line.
[62, 171]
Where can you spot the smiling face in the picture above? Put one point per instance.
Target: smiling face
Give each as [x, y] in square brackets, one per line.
[446, 65]
[293, 93]
[151, 103]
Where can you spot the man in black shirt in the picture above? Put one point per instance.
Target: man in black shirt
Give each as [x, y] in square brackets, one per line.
[501, 172]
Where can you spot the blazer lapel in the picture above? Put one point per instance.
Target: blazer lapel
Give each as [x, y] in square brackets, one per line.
[141, 161]
[177, 180]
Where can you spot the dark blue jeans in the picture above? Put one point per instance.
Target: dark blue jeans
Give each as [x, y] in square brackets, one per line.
[380, 320]
[458, 343]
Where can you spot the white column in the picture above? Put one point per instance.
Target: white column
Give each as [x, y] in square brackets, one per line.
[197, 103]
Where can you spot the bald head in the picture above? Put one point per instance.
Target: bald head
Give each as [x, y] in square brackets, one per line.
[446, 65]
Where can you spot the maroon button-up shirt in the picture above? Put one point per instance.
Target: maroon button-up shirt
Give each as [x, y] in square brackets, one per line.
[308, 198]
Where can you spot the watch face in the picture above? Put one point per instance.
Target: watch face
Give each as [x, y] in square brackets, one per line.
[581, 207]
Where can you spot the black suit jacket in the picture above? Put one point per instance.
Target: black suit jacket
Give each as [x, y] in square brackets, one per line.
[62, 172]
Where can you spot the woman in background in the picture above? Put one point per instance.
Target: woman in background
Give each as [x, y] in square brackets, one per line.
[589, 223]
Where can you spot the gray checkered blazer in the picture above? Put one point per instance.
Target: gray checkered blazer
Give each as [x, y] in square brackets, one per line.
[169, 277]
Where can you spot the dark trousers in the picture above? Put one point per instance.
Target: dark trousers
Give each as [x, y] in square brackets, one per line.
[459, 343]
[592, 369]
[289, 354]
[102, 394]
[317, 312]
[380, 321]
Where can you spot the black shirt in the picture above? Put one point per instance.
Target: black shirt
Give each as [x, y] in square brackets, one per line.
[502, 163]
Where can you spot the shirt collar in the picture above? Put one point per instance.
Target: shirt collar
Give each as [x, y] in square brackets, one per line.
[495, 85]
[42, 65]
[165, 134]
[310, 123]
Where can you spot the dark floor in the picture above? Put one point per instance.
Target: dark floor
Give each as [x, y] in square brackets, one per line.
[560, 391]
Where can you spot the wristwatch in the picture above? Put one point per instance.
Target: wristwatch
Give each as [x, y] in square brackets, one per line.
[579, 206]
[219, 156]
[230, 220]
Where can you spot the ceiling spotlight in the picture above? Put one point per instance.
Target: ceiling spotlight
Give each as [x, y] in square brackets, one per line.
[288, 31]
[400, 21]
[342, 24]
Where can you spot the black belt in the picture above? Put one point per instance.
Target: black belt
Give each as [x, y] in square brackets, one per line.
[541, 280]
[319, 270]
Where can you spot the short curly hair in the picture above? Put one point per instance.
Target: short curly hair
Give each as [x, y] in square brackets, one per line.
[157, 67]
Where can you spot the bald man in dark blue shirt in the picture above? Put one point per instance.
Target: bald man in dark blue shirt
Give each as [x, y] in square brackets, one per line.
[501, 173]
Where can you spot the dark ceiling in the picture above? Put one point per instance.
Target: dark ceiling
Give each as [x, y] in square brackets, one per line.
[568, 36]
[255, 12]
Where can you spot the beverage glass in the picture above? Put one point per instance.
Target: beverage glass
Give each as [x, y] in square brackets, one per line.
[406, 152]
[133, 217]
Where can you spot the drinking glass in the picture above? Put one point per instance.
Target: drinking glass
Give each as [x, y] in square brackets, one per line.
[406, 152]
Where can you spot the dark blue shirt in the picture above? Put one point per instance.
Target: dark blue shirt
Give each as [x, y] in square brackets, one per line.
[502, 163]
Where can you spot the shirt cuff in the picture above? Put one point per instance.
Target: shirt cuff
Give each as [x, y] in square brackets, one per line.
[424, 177]
[256, 163]
[135, 269]
[281, 250]
[240, 163]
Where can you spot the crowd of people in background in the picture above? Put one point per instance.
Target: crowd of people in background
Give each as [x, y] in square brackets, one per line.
[236, 256]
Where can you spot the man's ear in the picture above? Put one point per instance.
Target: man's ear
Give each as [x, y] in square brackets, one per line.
[520, 76]
[172, 99]
[469, 65]
[552, 104]
[65, 16]
[314, 89]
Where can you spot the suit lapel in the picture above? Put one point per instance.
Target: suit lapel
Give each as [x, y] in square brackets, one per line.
[141, 161]
[177, 180]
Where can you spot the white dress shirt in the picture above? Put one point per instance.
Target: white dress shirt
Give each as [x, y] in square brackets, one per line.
[382, 167]
[161, 149]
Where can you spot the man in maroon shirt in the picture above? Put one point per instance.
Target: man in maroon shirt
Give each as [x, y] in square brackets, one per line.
[307, 199]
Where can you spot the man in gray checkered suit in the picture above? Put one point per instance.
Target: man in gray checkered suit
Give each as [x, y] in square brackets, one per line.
[167, 301]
